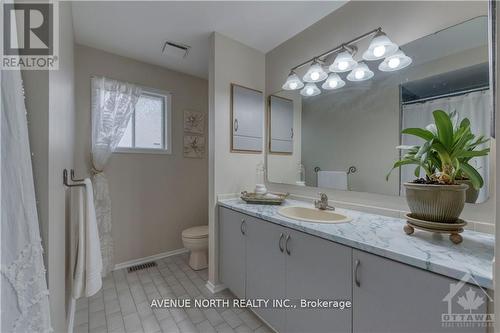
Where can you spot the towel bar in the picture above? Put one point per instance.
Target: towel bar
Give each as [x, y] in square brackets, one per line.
[72, 175]
[65, 179]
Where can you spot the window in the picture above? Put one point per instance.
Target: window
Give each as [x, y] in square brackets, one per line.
[148, 130]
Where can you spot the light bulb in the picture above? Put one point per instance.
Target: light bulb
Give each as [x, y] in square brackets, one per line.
[359, 74]
[380, 47]
[394, 62]
[397, 61]
[343, 62]
[292, 82]
[333, 82]
[315, 73]
[310, 90]
[379, 51]
[343, 65]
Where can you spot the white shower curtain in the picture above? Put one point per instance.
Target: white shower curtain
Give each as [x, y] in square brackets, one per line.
[113, 103]
[24, 294]
[475, 105]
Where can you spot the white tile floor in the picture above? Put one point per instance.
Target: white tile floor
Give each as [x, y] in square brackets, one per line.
[123, 304]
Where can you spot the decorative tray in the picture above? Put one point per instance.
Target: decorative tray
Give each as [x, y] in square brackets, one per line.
[264, 199]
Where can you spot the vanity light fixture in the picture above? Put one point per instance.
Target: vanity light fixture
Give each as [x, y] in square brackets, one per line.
[360, 73]
[310, 90]
[315, 73]
[333, 82]
[344, 62]
[380, 47]
[397, 61]
[292, 82]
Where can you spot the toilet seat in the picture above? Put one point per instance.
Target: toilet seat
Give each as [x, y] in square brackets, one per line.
[196, 232]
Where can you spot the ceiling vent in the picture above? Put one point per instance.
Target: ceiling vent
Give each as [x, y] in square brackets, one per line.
[176, 50]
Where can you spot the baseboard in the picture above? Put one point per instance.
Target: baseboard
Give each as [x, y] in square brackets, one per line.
[215, 288]
[158, 256]
[71, 315]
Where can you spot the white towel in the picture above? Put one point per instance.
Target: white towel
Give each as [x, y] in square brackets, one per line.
[332, 179]
[87, 279]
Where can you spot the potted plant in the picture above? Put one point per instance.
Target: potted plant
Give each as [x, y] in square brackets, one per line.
[444, 157]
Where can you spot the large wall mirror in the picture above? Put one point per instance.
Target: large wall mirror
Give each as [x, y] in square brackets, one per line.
[346, 138]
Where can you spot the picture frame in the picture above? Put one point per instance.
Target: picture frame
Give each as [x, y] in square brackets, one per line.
[194, 122]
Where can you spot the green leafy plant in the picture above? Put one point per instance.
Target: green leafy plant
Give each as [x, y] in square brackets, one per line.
[448, 147]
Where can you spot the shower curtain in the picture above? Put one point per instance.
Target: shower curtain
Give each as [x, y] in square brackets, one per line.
[113, 103]
[24, 294]
[475, 105]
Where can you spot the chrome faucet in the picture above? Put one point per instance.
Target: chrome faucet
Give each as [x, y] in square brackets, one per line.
[322, 203]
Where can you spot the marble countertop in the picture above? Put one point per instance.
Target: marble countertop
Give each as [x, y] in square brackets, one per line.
[384, 236]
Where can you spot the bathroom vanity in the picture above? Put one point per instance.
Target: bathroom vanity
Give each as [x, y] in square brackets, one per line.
[396, 283]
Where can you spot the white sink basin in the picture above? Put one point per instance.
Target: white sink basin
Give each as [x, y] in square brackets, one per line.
[313, 215]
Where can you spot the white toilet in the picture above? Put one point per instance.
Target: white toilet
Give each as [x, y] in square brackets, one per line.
[195, 239]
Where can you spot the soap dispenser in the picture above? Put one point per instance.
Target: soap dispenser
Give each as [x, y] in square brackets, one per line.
[260, 187]
[301, 175]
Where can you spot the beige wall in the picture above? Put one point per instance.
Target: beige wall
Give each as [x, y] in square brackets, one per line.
[51, 112]
[230, 62]
[402, 21]
[154, 197]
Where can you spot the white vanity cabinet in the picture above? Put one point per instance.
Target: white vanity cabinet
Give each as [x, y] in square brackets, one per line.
[260, 259]
[392, 297]
[247, 119]
[281, 125]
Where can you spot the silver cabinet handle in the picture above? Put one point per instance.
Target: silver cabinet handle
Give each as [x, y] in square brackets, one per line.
[291, 130]
[236, 125]
[242, 229]
[356, 268]
[280, 242]
[286, 244]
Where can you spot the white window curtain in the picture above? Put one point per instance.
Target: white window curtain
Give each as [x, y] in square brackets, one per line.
[24, 301]
[113, 103]
[475, 105]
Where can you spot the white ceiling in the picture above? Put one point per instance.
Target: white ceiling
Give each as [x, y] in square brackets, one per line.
[138, 29]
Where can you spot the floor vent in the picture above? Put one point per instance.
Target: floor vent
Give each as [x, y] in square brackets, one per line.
[141, 266]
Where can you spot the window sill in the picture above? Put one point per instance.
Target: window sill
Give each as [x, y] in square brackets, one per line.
[142, 151]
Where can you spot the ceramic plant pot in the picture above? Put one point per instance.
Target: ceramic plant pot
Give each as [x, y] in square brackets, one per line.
[471, 194]
[436, 203]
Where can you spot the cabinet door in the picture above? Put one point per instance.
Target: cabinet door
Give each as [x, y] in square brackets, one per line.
[266, 268]
[317, 269]
[232, 250]
[247, 116]
[281, 122]
[393, 297]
